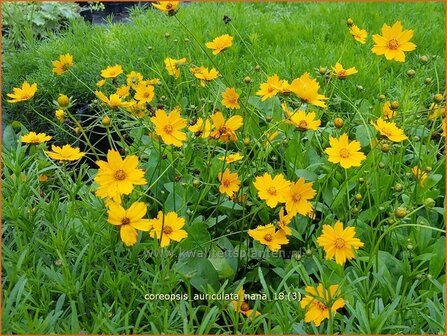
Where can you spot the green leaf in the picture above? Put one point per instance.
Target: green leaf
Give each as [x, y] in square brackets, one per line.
[437, 263]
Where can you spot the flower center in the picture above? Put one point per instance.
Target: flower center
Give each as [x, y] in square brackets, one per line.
[272, 191]
[169, 6]
[167, 230]
[226, 183]
[296, 197]
[339, 243]
[120, 175]
[342, 73]
[244, 306]
[344, 153]
[387, 131]
[393, 44]
[320, 306]
[268, 237]
[223, 130]
[302, 124]
[35, 140]
[168, 129]
[125, 221]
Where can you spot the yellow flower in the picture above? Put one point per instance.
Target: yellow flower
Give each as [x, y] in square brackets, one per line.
[114, 101]
[167, 228]
[387, 112]
[443, 127]
[34, 139]
[167, 7]
[319, 301]
[144, 93]
[123, 91]
[172, 66]
[42, 178]
[390, 130]
[420, 175]
[26, 92]
[66, 153]
[272, 191]
[117, 177]
[134, 78]
[346, 153]
[241, 306]
[201, 128]
[267, 235]
[306, 89]
[129, 220]
[435, 111]
[169, 126]
[393, 42]
[112, 71]
[60, 115]
[101, 83]
[229, 183]
[220, 43]
[152, 82]
[62, 64]
[138, 109]
[342, 73]
[63, 101]
[204, 75]
[284, 221]
[270, 88]
[225, 130]
[359, 35]
[229, 98]
[339, 242]
[231, 158]
[298, 196]
[301, 119]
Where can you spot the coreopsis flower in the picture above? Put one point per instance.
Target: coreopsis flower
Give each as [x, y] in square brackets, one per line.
[231, 158]
[319, 302]
[112, 71]
[272, 190]
[270, 88]
[301, 120]
[137, 108]
[435, 111]
[394, 42]
[387, 112]
[242, 307]
[225, 130]
[172, 66]
[114, 101]
[345, 153]
[63, 101]
[62, 64]
[167, 7]
[284, 221]
[101, 83]
[306, 89]
[134, 78]
[167, 228]
[123, 91]
[60, 115]
[204, 75]
[24, 93]
[117, 177]
[169, 127]
[152, 82]
[144, 93]
[34, 138]
[202, 128]
[443, 127]
[389, 130]
[230, 98]
[342, 73]
[65, 153]
[128, 220]
[297, 197]
[220, 43]
[42, 178]
[229, 182]
[267, 235]
[339, 242]
[359, 35]
[419, 174]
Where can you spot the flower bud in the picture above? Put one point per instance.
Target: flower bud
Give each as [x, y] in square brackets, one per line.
[398, 187]
[423, 59]
[247, 142]
[394, 105]
[106, 121]
[167, 35]
[427, 80]
[60, 115]
[63, 100]
[338, 122]
[411, 73]
[349, 22]
[429, 202]
[257, 68]
[385, 148]
[247, 80]
[400, 212]
[358, 197]
[382, 97]
[322, 71]
[437, 98]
